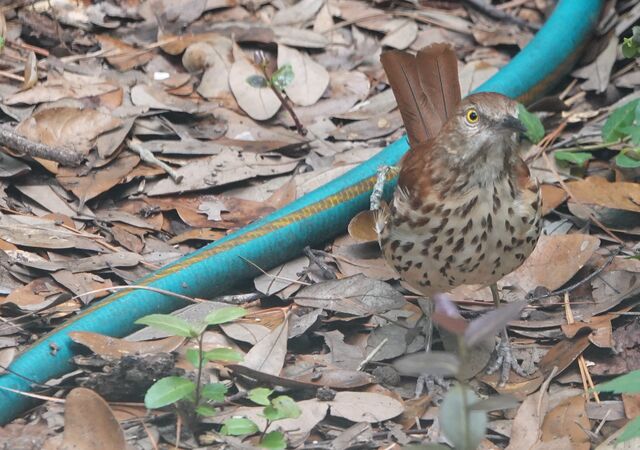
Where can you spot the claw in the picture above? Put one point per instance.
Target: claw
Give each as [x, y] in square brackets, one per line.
[436, 387]
[505, 361]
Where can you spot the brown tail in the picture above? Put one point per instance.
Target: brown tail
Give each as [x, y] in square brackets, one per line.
[426, 88]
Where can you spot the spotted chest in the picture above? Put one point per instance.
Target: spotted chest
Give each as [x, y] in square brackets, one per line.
[473, 238]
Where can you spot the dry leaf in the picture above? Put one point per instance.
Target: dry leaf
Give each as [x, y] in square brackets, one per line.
[89, 423]
[310, 79]
[123, 56]
[30, 71]
[568, 419]
[300, 12]
[67, 127]
[113, 348]
[268, 354]
[599, 71]
[598, 191]
[365, 407]
[258, 101]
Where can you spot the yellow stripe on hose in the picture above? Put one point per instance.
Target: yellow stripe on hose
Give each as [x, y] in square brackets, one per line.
[296, 216]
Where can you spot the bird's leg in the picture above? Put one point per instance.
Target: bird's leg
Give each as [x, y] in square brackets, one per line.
[505, 360]
[378, 188]
[434, 385]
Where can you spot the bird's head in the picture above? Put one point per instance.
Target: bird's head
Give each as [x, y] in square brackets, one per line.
[485, 127]
[488, 116]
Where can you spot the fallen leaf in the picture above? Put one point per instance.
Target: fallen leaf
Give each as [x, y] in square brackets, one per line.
[113, 348]
[365, 407]
[598, 72]
[356, 295]
[310, 79]
[552, 197]
[568, 419]
[299, 12]
[598, 191]
[87, 414]
[123, 56]
[268, 354]
[255, 98]
[67, 127]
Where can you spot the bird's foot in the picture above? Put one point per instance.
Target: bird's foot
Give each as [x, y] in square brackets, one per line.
[378, 188]
[505, 361]
[434, 386]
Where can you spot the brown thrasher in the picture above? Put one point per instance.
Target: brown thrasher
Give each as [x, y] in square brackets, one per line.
[465, 210]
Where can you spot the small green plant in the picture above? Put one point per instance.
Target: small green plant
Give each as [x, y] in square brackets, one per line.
[279, 79]
[171, 390]
[631, 45]
[202, 398]
[278, 408]
[625, 384]
[621, 131]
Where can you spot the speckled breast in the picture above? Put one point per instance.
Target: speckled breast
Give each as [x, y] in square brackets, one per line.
[474, 238]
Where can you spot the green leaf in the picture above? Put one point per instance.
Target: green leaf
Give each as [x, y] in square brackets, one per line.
[577, 158]
[238, 426]
[532, 124]
[623, 160]
[167, 391]
[282, 407]
[631, 430]
[625, 384]
[260, 396]
[206, 410]
[622, 117]
[633, 131]
[214, 391]
[2, 42]
[193, 356]
[282, 77]
[257, 81]
[464, 428]
[273, 440]
[224, 315]
[223, 354]
[169, 324]
[631, 45]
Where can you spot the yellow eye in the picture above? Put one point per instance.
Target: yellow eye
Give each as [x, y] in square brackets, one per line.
[472, 116]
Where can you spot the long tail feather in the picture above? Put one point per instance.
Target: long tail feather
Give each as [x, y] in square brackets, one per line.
[420, 118]
[438, 71]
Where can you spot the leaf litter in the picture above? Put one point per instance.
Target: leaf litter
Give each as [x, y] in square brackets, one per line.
[216, 93]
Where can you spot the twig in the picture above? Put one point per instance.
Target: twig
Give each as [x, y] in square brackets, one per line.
[511, 4]
[589, 212]
[33, 48]
[326, 271]
[495, 13]
[597, 146]
[148, 157]
[589, 277]
[19, 144]
[11, 76]
[302, 131]
[372, 354]
[587, 382]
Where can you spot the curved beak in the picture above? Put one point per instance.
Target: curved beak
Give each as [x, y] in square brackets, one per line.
[513, 124]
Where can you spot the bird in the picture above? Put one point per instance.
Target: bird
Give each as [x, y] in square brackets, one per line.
[465, 209]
